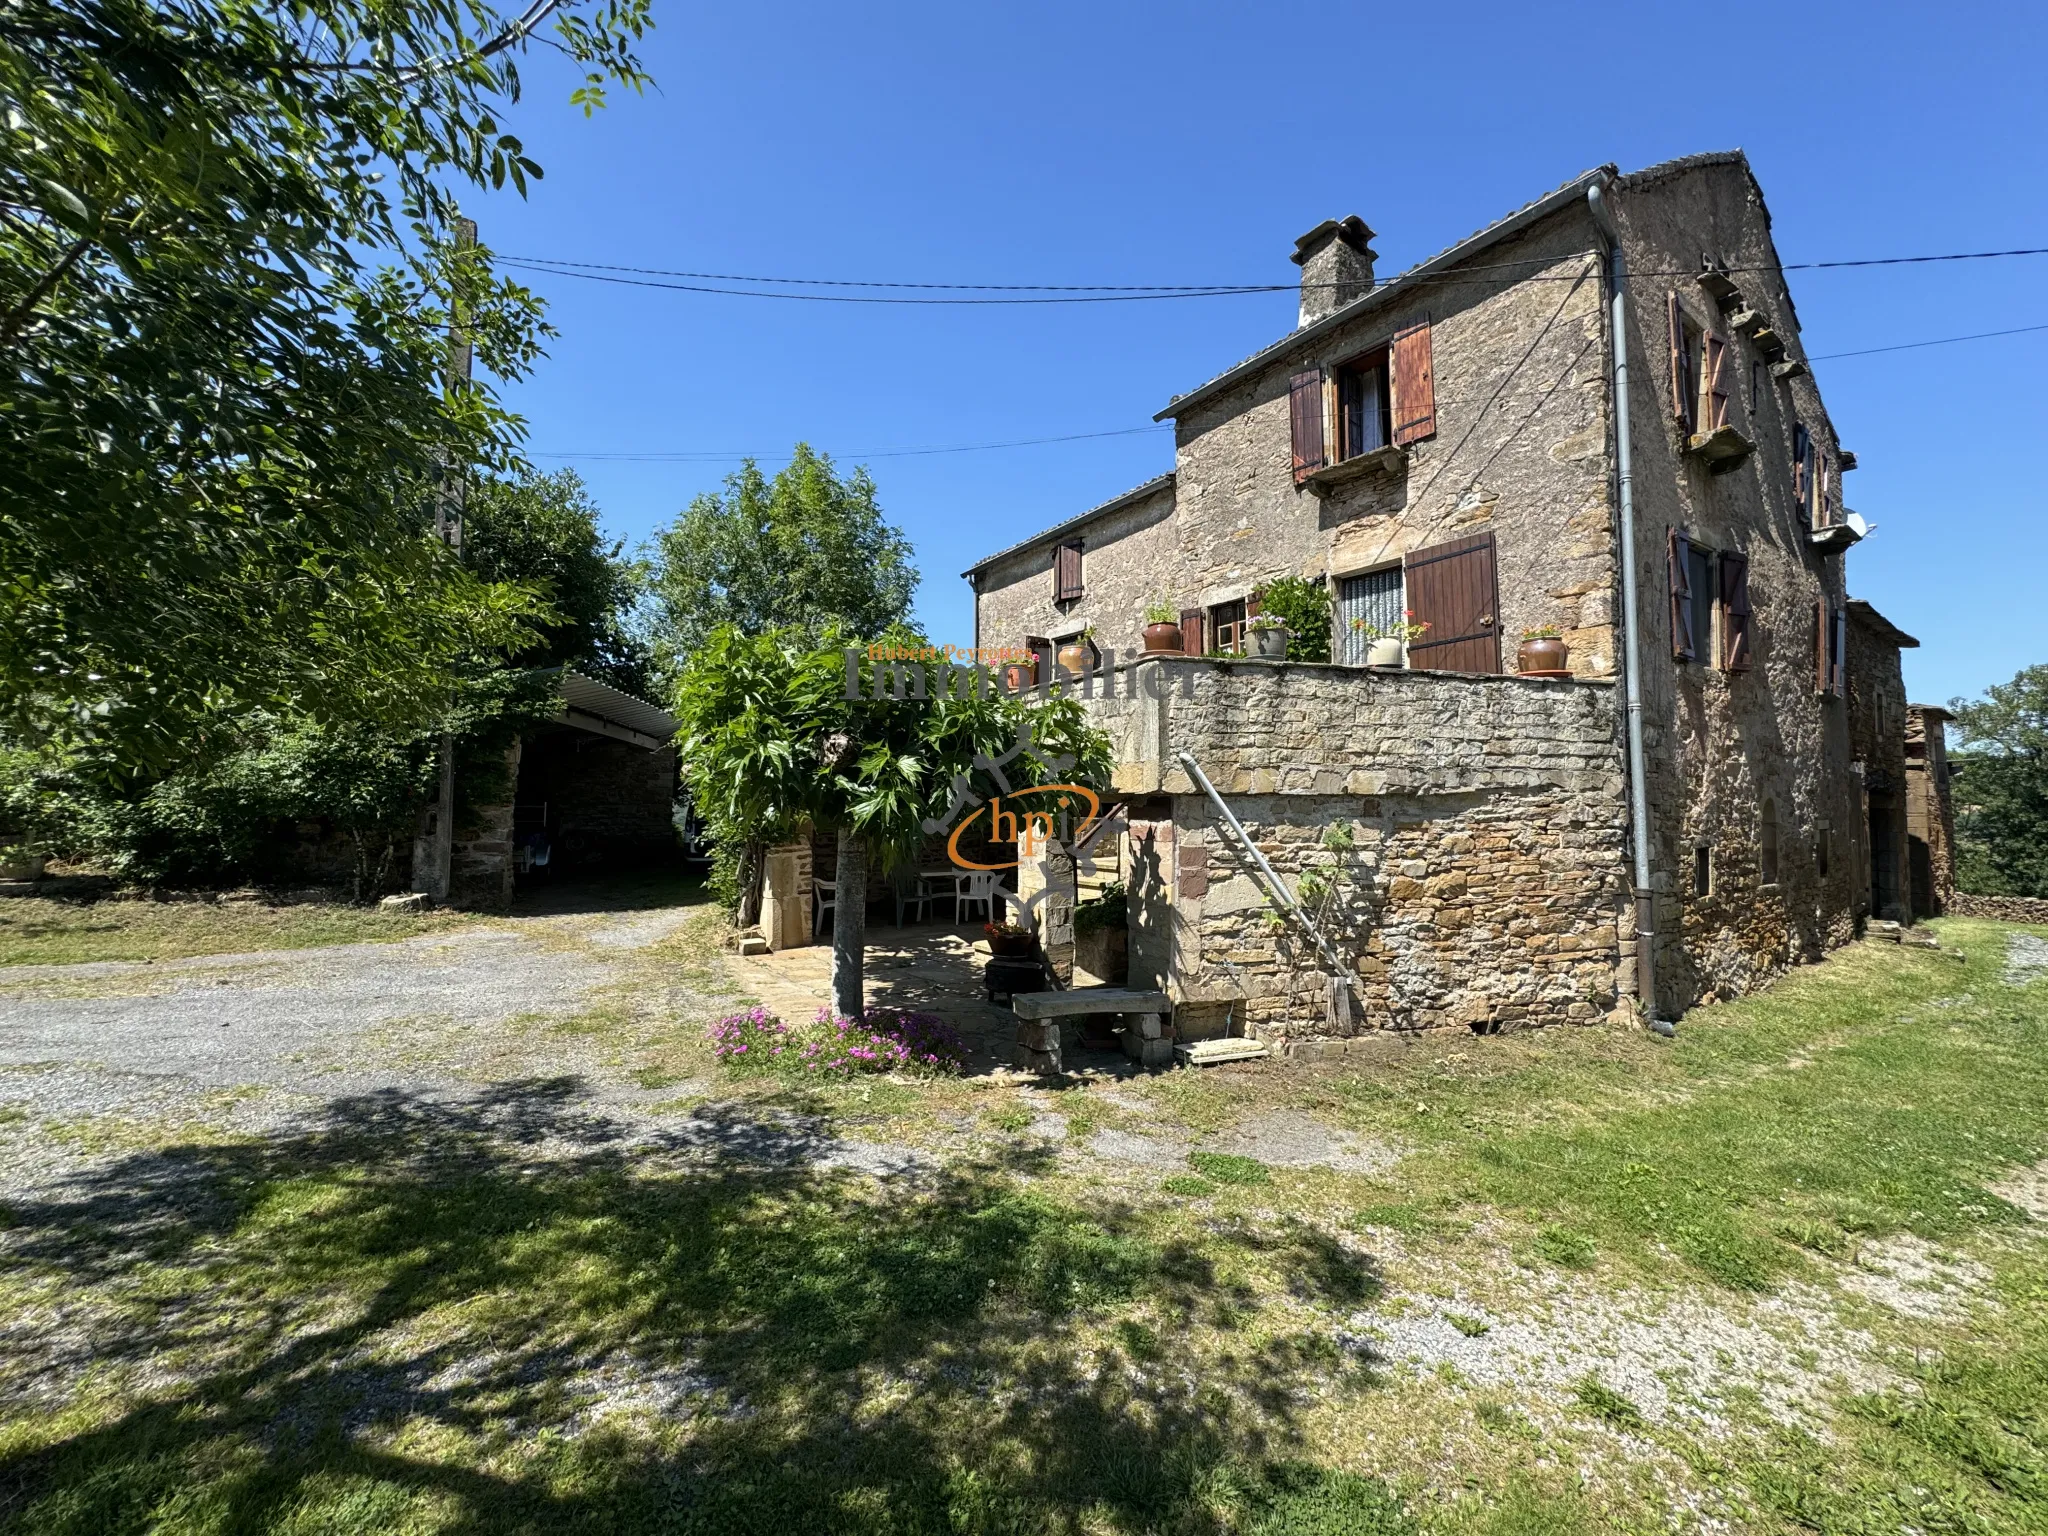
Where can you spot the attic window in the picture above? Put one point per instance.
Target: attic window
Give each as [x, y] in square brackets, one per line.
[1066, 572]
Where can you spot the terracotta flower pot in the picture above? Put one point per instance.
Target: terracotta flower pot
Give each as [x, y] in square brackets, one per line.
[1162, 637]
[1546, 655]
[1011, 946]
[1076, 656]
[1269, 644]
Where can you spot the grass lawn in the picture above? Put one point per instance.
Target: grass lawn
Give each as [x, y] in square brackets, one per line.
[1788, 1273]
[39, 931]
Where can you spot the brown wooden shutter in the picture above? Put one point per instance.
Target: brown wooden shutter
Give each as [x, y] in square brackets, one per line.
[1735, 613]
[1453, 588]
[1253, 603]
[1066, 581]
[1041, 651]
[1714, 383]
[1838, 681]
[1412, 367]
[1678, 573]
[1676, 315]
[1193, 640]
[1802, 464]
[1305, 421]
[1822, 631]
[1823, 488]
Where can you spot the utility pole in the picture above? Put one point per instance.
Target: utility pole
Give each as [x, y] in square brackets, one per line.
[433, 850]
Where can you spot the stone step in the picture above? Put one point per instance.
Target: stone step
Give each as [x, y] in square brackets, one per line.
[1208, 1053]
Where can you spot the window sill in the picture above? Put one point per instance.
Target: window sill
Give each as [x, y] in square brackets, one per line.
[1720, 450]
[1390, 460]
[1834, 537]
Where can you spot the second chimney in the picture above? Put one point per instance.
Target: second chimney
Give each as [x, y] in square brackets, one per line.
[1336, 260]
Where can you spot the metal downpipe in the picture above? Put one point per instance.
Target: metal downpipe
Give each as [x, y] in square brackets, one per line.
[1631, 624]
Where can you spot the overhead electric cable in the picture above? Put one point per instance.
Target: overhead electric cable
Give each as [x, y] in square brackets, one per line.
[1939, 341]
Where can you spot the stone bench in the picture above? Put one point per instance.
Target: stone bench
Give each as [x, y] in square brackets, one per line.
[1038, 1023]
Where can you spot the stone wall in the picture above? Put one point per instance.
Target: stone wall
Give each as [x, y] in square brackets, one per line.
[2005, 909]
[1723, 746]
[1877, 749]
[1129, 558]
[480, 860]
[1930, 811]
[1469, 832]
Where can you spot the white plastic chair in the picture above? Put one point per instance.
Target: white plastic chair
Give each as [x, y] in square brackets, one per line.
[984, 890]
[824, 895]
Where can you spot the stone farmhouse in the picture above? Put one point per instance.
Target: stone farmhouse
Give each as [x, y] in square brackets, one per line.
[1594, 416]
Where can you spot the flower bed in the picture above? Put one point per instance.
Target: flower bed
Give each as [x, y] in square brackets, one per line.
[886, 1040]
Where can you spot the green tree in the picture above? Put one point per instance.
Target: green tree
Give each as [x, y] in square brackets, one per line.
[228, 258]
[771, 744]
[541, 531]
[808, 549]
[2002, 787]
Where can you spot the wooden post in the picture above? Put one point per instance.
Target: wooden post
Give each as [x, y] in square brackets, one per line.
[433, 851]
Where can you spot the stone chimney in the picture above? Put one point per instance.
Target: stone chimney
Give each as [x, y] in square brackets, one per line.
[1336, 260]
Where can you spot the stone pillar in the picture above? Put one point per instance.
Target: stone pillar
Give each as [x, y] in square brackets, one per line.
[786, 896]
[1051, 870]
[1038, 1047]
[1148, 1040]
[480, 852]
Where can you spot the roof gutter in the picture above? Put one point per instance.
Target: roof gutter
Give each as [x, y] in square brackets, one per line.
[1631, 625]
[1464, 250]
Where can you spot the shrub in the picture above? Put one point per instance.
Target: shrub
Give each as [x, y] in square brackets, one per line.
[888, 1039]
[1304, 606]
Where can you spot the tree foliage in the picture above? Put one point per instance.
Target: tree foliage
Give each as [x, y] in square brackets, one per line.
[807, 549]
[540, 531]
[2001, 790]
[227, 267]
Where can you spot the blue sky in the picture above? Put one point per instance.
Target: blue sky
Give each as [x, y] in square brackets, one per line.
[1063, 143]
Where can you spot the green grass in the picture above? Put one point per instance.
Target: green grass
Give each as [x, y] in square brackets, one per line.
[1224, 1168]
[38, 931]
[406, 1318]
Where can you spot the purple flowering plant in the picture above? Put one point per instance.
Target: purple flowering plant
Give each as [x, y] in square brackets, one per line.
[885, 1040]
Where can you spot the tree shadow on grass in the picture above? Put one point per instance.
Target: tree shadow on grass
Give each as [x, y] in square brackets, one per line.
[510, 1313]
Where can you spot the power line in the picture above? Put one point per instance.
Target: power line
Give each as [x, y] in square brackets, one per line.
[1939, 341]
[1108, 293]
[884, 453]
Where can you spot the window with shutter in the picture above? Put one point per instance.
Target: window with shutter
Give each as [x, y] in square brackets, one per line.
[1066, 568]
[1822, 642]
[1838, 679]
[1226, 626]
[1714, 383]
[1454, 589]
[1193, 632]
[1413, 371]
[1305, 422]
[1678, 572]
[1802, 465]
[1362, 409]
[1372, 602]
[1041, 651]
[1735, 643]
[1684, 369]
[1823, 489]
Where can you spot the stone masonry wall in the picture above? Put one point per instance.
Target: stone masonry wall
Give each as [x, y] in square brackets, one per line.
[1130, 557]
[1721, 745]
[1877, 743]
[1469, 831]
[1930, 811]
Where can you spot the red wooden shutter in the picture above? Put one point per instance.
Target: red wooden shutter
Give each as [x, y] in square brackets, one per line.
[1678, 572]
[1714, 383]
[1453, 588]
[1192, 639]
[1676, 316]
[1066, 585]
[1305, 421]
[1413, 370]
[1735, 613]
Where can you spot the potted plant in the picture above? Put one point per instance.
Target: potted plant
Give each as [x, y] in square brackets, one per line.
[1009, 941]
[1269, 637]
[1543, 653]
[1162, 628]
[1386, 645]
[1078, 654]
